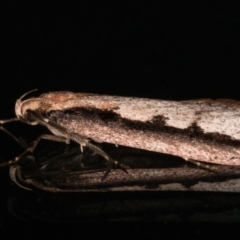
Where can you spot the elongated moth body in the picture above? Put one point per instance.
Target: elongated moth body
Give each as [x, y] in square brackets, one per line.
[203, 130]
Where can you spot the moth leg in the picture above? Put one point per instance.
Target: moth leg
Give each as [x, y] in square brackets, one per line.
[9, 120]
[84, 142]
[47, 137]
[111, 162]
[32, 146]
[20, 141]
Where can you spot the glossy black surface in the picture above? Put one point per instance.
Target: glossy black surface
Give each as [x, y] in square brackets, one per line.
[163, 49]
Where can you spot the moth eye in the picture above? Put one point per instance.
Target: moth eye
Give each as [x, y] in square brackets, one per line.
[29, 116]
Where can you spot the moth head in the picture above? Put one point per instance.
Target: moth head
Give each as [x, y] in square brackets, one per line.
[24, 107]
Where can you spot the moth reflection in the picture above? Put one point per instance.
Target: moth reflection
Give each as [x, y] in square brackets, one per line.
[73, 171]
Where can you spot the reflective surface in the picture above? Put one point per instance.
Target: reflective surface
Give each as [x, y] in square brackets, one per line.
[156, 49]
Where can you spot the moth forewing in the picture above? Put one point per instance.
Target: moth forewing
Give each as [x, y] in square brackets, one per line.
[203, 130]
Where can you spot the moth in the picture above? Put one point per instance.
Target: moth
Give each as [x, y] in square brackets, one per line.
[203, 130]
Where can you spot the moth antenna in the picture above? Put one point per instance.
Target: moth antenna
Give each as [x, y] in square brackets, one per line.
[25, 94]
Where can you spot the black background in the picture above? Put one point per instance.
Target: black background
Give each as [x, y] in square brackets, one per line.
[157, 49]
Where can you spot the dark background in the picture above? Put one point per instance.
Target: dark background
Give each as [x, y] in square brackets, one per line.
[157, 49]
